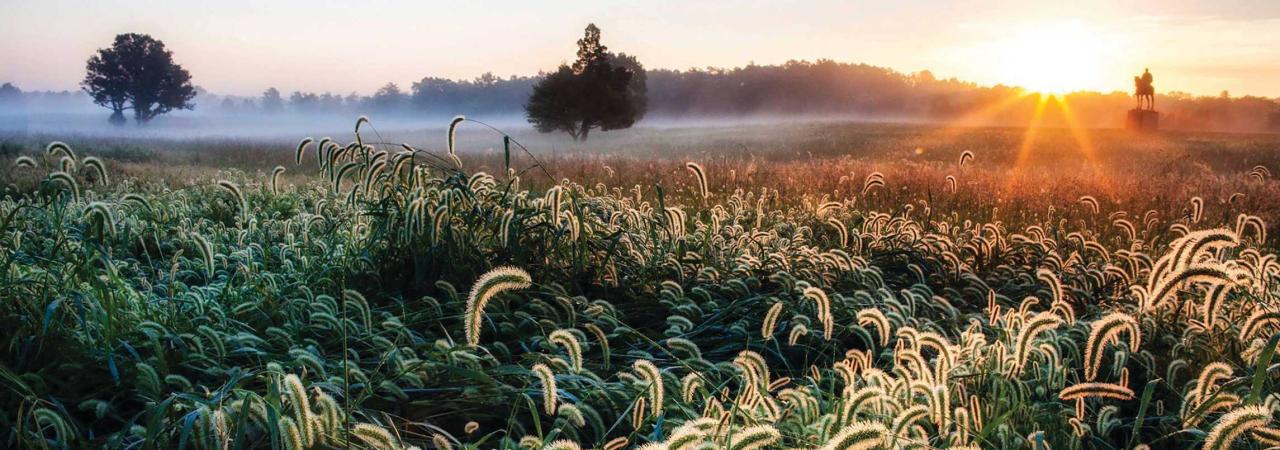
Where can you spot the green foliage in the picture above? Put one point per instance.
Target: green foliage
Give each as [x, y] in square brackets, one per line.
[393, 300]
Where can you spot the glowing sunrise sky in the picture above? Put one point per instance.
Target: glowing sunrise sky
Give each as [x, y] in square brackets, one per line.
[242, 47]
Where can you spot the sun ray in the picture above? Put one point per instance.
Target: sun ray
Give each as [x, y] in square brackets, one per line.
[1028, 139]
[1082, 139]
[979, 116]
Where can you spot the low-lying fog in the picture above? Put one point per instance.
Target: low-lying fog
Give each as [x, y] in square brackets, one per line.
[66, 120]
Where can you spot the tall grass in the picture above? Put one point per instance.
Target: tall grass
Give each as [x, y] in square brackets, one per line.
[395, 298]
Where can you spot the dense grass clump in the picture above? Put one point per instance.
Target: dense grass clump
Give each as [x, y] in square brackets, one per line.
[395, 299]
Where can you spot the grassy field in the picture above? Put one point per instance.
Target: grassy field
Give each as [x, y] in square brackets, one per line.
[829, 285]
[1128, 173]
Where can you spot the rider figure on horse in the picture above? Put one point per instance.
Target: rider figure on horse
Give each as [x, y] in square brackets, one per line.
[1144, 90]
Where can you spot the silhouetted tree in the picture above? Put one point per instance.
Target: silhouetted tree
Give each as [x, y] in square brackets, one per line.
[138, 73]
[330, 102]
[106, 82]
[13, 117]
[554, 103]
[388, 98]
[304, 101]
[596, 92]
[271, 100]
[638, 87]
[484, 95]
[10, 94]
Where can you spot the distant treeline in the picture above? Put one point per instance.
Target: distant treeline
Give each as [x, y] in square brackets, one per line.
[796, 88]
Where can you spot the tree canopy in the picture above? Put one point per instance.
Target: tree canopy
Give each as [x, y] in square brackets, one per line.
[10, 94]
[137, 73]
[600, 90]
[271, 100]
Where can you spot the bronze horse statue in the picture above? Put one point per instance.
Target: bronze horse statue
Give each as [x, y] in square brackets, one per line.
[1144, 91]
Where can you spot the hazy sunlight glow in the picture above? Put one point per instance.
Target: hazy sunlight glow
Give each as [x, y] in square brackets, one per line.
[1055, 58]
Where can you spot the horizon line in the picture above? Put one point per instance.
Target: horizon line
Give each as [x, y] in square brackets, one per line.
[749, 64]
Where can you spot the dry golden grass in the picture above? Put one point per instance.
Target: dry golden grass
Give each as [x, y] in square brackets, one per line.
[808, 162]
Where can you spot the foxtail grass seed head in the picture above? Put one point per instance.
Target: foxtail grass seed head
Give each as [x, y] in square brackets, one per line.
[1235, 424]
[876, 179]
[1091, 203]
[302, 148]
[569, 343]
[489, 285]
[441, 442]
[275, 179]
[770, 320]
[453, 134]
[1106, 331]
[699, 176]
[99, 170]
[56, 148]
[562, 444]
[616, 443]
[862, 435]
[375, 437]
[754, 438]
[1098, 390]
[652, 378]
[548, 380]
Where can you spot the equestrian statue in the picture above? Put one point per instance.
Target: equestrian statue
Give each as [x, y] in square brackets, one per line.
[1144, 91]
[1144, 118]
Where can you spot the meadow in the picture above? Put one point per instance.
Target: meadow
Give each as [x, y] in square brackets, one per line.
[823, 285]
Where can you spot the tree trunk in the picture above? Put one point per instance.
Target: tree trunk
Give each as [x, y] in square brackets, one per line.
[142, 114]
[583, 131]
[117, 118]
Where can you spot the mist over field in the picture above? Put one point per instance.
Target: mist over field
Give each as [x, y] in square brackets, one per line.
[88, 122]
[795, 92]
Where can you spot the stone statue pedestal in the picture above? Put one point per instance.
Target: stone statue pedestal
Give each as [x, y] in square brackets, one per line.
[1142, 120]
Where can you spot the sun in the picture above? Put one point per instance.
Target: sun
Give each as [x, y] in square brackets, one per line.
[1051, 57]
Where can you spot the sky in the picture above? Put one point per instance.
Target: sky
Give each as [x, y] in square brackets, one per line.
[243, 47]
